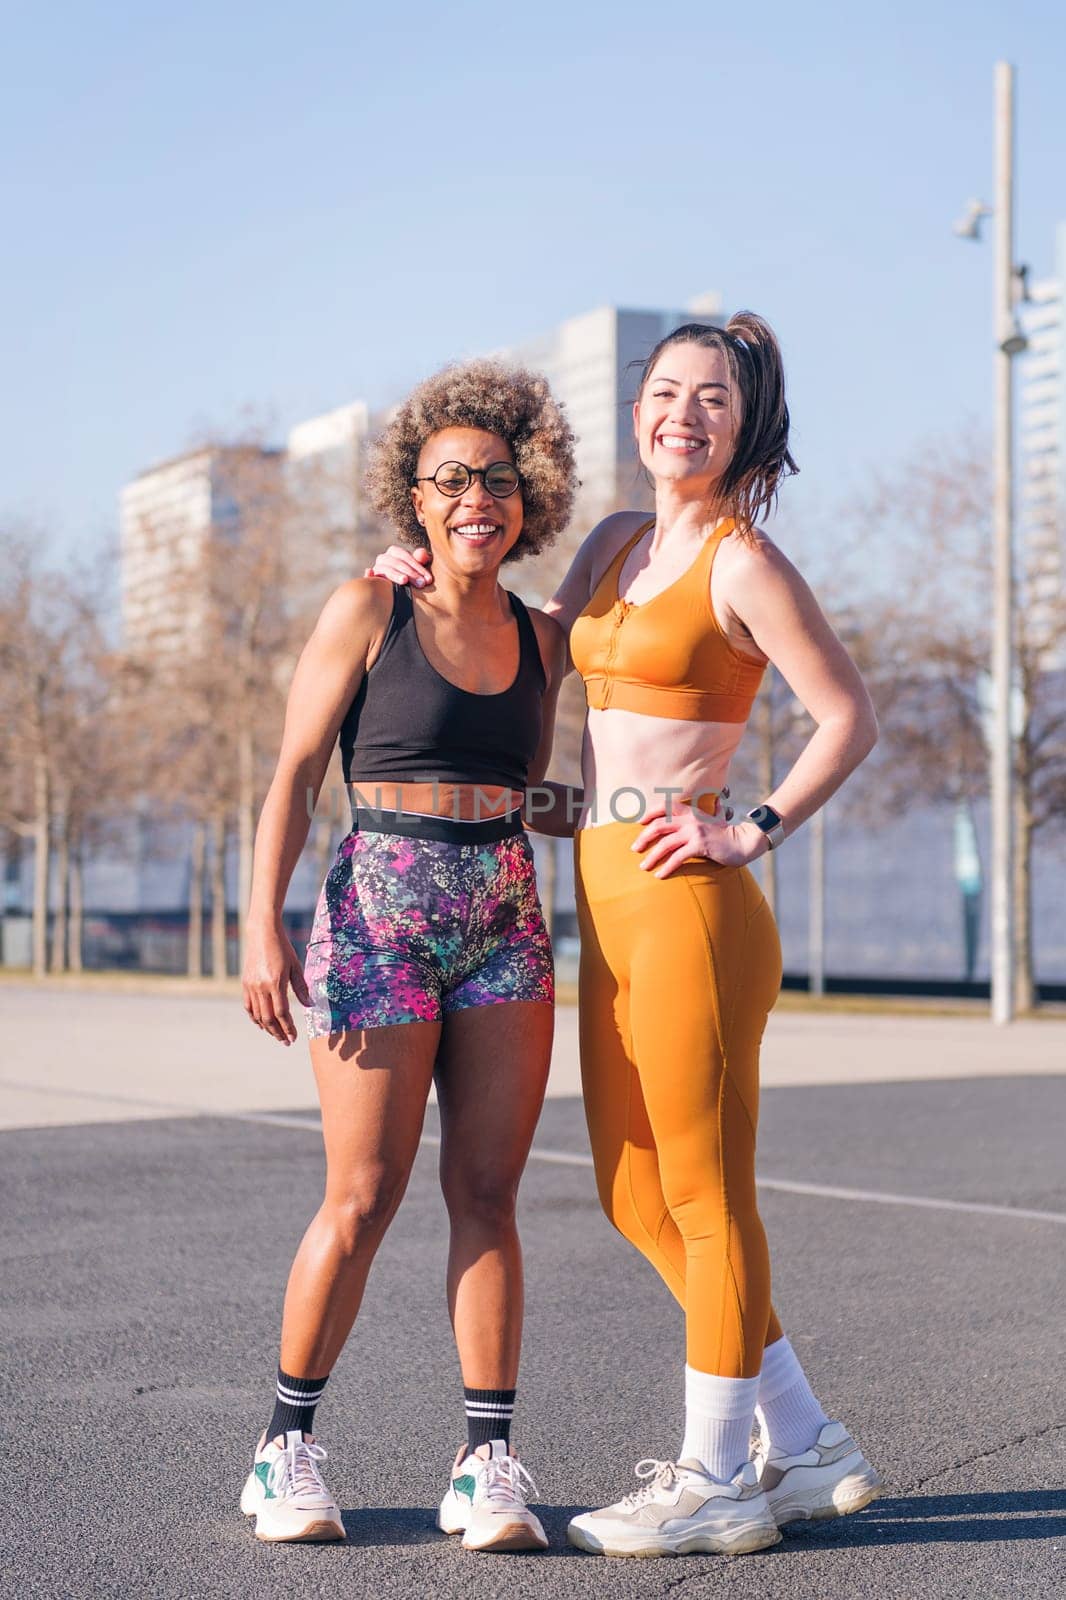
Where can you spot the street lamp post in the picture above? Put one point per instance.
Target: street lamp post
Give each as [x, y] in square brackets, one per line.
[816, 905]
[1010, 341]
[1007, 346]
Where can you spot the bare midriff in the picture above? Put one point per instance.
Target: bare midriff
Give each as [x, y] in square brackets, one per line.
[669, 692]
[630, 760]
[462, 802]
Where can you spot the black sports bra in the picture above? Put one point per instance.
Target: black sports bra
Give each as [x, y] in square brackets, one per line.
[407, 723]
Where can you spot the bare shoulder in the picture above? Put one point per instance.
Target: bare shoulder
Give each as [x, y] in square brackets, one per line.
[746, 563]
[357, 601]
[359, 597]
[758, 594]
[353, 621]
[606, 539]
[745, 551]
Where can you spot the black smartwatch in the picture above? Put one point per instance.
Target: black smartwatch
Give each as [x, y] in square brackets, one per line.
[767, 819]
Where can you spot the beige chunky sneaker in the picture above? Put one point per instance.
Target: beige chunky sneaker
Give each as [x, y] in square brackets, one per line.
[487, 1502]
[285, 1494]
[831, 1479]
[680, 1511]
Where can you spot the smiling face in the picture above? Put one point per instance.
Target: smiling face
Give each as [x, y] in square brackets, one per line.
[473, 531]
[687, 417]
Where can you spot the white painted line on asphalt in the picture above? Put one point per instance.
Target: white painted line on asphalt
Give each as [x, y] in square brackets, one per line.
[566, 1158]
[878, 1198]
[279, 1119]
[272, 1119]
[62, 1091]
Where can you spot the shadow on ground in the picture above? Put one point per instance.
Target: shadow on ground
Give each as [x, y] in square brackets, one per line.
[942, 1519]
[911, 1519]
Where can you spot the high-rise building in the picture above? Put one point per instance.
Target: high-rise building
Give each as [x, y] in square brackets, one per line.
[170, 516]
[592, 363]
[309, 497]
[1042, 438]
[325, 459]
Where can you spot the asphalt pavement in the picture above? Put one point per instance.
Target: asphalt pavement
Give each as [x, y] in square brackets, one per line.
[144, 1264]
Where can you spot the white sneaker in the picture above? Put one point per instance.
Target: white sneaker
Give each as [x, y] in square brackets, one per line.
[831, 1479]
[680, 1511]
[487, 1502]
[285, 1493]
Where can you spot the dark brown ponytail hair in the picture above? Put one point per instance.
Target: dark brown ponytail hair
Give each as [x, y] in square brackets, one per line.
[761, 459]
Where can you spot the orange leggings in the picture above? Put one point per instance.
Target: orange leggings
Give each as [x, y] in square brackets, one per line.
[678, 976]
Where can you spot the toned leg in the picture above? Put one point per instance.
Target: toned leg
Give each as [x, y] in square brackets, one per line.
[698, 1063]
[623, 1150]
[492, 1068]
[373, 1086]
[627, 1165]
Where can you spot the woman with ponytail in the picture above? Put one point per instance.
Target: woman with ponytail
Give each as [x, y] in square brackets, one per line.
[672, 621]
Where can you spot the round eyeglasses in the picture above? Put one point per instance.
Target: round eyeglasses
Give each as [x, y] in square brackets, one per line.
[454, 478]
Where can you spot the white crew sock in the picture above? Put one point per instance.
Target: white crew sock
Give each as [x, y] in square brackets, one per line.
[788, 1411]
[718, 1418]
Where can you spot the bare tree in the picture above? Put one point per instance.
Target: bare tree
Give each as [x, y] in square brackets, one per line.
[912, 580]
[55, 668]
[212, 693]
[30, 648]
[265, 592]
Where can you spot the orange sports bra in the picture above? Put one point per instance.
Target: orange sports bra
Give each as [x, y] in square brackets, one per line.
[667, 656]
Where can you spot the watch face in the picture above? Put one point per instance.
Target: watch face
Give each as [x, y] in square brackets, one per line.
[764, 817]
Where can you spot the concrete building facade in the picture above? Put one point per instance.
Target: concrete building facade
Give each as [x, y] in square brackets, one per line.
[170, 513]
[334, 534]
[169, 516]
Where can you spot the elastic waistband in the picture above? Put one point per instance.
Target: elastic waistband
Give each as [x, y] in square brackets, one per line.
[606, 867]
[444, 830]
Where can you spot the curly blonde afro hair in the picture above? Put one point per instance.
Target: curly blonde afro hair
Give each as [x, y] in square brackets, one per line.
[508, 401]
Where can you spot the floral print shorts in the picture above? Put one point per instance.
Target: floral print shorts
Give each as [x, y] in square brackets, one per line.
[410, 928]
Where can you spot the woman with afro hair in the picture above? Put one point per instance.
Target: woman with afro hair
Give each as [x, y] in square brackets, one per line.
[429, 959]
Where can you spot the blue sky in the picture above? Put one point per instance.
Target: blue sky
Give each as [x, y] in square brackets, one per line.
[211, 209]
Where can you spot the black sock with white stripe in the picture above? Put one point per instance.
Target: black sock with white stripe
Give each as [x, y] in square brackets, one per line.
[294, 1406]
[488, 1415]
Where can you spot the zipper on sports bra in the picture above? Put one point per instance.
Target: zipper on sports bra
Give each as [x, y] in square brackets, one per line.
[620, 612]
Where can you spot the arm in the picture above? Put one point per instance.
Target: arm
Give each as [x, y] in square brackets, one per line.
[766, 594]
[327, 677]
[551, 808]
[775, 604]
